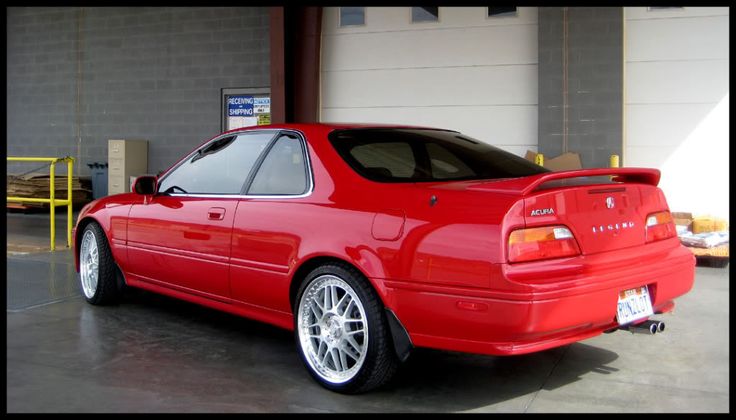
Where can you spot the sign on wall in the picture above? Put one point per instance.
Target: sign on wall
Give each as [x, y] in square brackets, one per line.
[246, 107]
[240, 106]
[262, 105]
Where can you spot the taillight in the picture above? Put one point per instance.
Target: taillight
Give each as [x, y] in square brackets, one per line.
[660, 226]
[541, 243]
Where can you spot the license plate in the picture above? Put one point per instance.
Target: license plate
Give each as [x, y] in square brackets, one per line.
[633, 304]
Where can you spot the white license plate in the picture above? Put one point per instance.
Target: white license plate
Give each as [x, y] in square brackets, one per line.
[633, 304]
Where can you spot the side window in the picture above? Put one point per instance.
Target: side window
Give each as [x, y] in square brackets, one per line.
[220, 167]
[386, 159]
[283, 171]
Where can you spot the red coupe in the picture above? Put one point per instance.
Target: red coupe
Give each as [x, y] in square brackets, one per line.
[367, 241]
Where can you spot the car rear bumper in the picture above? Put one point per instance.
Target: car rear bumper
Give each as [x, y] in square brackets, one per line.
[573, 303]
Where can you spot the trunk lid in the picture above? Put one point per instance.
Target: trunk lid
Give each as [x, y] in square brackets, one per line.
[605, 208]
[602, 217]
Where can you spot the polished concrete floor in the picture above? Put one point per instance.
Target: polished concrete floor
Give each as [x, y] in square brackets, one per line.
[154, 354]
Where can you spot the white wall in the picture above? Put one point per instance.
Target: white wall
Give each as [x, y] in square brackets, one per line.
[466, 72]
[676, 106]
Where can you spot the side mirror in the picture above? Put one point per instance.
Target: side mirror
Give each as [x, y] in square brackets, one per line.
[145, 185]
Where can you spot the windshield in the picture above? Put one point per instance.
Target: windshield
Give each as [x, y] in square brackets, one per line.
[423, 155]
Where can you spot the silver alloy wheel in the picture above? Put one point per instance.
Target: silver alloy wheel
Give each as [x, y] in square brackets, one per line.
[89, 262]
[333, 329]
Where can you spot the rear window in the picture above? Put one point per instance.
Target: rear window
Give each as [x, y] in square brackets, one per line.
[422, 155]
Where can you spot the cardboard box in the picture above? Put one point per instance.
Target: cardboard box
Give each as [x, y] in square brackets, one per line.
[708, 224]
[564, 162]
[683, 219]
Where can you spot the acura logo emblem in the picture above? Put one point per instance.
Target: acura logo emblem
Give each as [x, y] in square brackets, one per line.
[609, 203]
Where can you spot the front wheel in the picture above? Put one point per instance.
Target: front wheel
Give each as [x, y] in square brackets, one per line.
[97, 270]
[341, 331]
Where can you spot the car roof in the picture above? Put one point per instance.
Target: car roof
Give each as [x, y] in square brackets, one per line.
[331, 126]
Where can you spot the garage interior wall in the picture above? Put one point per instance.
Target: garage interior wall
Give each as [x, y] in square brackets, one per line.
[467, 71]
[77, 77]
[676, 114]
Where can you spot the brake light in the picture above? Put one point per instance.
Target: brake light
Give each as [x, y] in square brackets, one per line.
[660, 226]
[541, 243]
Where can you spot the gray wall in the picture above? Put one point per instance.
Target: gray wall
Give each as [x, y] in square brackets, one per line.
[143, 73]
[594, 79]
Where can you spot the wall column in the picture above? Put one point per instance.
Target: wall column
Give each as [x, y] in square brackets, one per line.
[295, 61]
[581, 82]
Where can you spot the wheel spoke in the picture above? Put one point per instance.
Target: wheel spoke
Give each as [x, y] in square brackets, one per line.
[353, 320]
[319, 347]
[343, 358]
[345, 297]
[324, 358]
[350, 305]
[326, 298]
[352, 353]
[333, 297]
[314, 311]
[335, 355]
[316, 300]
[358, 348]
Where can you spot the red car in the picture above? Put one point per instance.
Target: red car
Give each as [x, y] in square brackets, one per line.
[367, 241]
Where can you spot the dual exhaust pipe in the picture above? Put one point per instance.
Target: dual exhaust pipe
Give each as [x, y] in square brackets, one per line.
[649, 327]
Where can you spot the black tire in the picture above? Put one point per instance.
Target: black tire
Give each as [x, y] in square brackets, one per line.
[380, 363]
[109, 286]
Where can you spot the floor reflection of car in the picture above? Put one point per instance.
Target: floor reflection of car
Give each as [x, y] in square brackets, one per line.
[368, 241]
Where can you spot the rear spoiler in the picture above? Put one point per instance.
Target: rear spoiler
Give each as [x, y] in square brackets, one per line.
[525, 185]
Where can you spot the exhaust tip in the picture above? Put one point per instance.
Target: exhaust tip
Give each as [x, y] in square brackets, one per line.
[647, 327]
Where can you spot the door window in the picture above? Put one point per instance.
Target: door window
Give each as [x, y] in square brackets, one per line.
[283, 171]
[220, 167]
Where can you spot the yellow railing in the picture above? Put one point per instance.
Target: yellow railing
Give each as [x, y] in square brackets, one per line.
[52, 200]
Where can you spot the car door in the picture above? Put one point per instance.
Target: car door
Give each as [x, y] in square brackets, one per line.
[181, 237]
[269, 224]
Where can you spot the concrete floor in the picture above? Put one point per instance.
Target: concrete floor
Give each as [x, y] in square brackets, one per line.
[154, 354]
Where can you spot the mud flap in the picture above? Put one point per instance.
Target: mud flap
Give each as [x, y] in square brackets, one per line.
[401, 339]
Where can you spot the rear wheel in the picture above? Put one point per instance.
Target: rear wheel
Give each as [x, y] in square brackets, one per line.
[97, 270]
[341, 330]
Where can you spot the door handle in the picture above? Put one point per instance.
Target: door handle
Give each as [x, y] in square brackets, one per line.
[216, 213]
